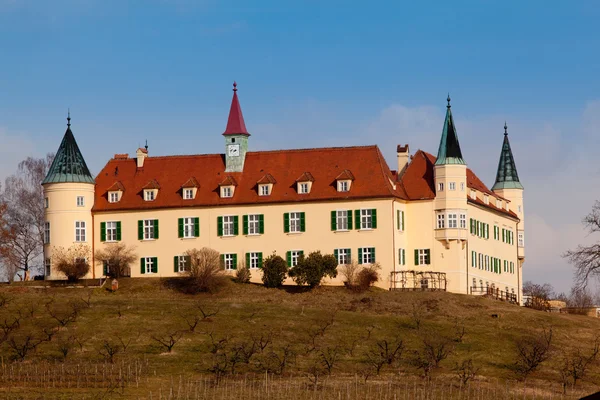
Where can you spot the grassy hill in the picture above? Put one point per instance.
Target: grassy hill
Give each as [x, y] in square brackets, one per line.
[235, 343]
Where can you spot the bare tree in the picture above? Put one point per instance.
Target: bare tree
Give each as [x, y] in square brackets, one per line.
[538, 295]
[205, 270]
[24, 198]
[532, 351]
[118, 257]
[586, 259]
[349, 272]
[580, 298]
[575, 365]
[72, 262]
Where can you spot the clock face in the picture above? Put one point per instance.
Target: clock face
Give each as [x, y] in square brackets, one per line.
[234, 150]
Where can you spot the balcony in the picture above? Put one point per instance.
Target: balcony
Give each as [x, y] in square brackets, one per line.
[449, 234]
[521, 252]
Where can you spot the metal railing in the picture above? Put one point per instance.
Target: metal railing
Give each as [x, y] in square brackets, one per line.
[494, 293]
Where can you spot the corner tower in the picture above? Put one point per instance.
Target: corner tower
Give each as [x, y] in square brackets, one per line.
[509, 186]
[68, 198]
[236, 137]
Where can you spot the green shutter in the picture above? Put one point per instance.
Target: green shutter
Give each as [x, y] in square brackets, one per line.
[302, 222]
[140, 230]
[119, 230]
[487, 231]
[245, 223]
[336, 254]
[403, 221]
[196, 227]
[234, 261]
[286, 222]
[219, 226]
[334, 220]
[103, 232]
[398, 225]
[236, 225]
[155, 265]
[349, 214]
[288, 258]
[155, 229]
[416, 256]
[373, 252]
[248, 260]
[503, 235]
[261, 224]
[176, 264]
[222, 261]
[360, 259]
[260, 260]
[349, 252]
[143, 265]
[357, 219]
[427, 257]
[471, 222]
[403, 251]
[104, 268]
[374, 218]
[180, 227]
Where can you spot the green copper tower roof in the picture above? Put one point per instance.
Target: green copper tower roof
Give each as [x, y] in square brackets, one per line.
[449, 151]
[507, 177]
[68, 164]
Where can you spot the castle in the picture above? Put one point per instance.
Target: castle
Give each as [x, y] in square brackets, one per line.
[431, 224]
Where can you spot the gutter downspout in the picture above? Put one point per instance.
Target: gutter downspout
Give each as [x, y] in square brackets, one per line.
[393, 274]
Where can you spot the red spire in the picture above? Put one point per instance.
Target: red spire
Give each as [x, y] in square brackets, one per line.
[235, 123]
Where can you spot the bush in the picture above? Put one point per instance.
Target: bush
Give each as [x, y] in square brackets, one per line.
[242, 274]
[368, 276]
[117, 256]
[72, 262]
[205, 271]
[350, 272]
[312, 269]
[274, 271]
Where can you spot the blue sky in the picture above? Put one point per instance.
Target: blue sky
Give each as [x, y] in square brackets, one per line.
[319, 73]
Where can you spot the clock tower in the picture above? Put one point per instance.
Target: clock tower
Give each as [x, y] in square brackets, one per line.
[236, 137]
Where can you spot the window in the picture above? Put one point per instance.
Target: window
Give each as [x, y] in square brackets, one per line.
[229, 225]
[519, 208]
[253, 224]
[47, 265]
[452, 222]
[303, 187]
[424, 284]
[366, 255]
[80, 231]
[474, 282]
[80, 201]
[452, 186]
[486, 199]
[400, 220]
[294, 222]
[487, 263]
[182, 263]
[113, 197]
[462, 186]
[481, 261]
[149, 229]
[188, 194]
[189, 227]
[401, 256]
[473, 259]
[463, 221]
[343, 186]
[111, 231]
[46, 203]
[422, 257]
[473, 194]
[149, 265]
[226, 191]
[498, 203]
[254, 260]
[293, 256]
[367, 219]
[441, 221]
[441, 187]
[342, 256]
[521, 238]
[46, 232]
[149, 195]
[229, 261]
[341, 220]
[264, 190]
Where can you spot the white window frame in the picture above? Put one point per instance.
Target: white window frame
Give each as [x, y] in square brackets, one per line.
[294, 255]
[80, 232]
[341, 220]
[47, 232]
[149, 195]
[481, 261]
[343, 256]
[487, 263]
[462, 186]
[498, 203]
[188, 193]
[451, 185]
[254, 260]
[181, 262]
[189, 227]
[521, 238]
[401, 256]
[47, 202]
[149, 227]
[422, 256]
[343, 186]
[486, 199]
[228, 261]
[148, 264]
[264, 190]
[441, 221]
[80, 201]
[473, 194]
[226, 192]
[113, 197]
[367, 255]
[520, 209]
[441, 187]
[303, 187]
[111, 231]
[295, 224]
[452, 220]
[47, 267]
[463, 221]
[254, 224]
[228, 225]
[366, 218]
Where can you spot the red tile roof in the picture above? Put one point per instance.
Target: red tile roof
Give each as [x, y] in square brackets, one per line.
[191, 183]
[228, 181]
[373, 178]
[345, 175]
[153, 184]
[267, 178]
[306, 177]
[116, 186]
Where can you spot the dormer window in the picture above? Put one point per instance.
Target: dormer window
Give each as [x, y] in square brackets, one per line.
[149, 194]
[189, 189]
[227, 187]
[151, 190]
[343, 186]
[115, 192]
[498, 203]
[265, 185]
[188, 194]
[264, 190]
[486, 199]
[344, 181]
[303, 187]
[113, 197]
[473, 194]
[226, 191]
[304, 183]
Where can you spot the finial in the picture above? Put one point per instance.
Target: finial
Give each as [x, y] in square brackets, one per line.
[146, 146]
[505, 129]
[234, 86]
[68, 118]
[448, 100]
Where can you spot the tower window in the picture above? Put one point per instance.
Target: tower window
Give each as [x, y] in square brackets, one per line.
[452, 186]
[46, 204]
[46, 232]
[440, 187]
[462, 186]
[80, 201]
[80, 231]
[232, 140]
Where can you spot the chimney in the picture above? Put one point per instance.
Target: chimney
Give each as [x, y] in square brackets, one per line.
[141, 156]
[403, 157]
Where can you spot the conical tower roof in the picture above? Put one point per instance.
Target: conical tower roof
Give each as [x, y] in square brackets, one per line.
[68, 164]
[449, 150]
[507, 176]
[235, 123]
